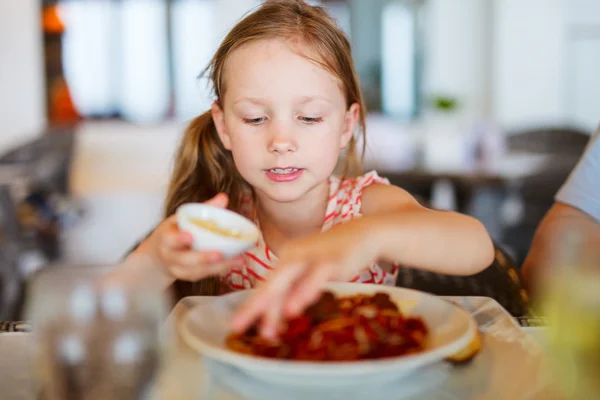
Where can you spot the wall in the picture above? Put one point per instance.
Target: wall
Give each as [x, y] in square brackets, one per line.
[529, 61]
[457, 47]
[583, 62]
[520, 62]
[119, 176]
[22, 103]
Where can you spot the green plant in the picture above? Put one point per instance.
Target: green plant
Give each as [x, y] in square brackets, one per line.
[444, 103]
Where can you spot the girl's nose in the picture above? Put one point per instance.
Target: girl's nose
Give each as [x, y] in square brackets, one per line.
[281, 143]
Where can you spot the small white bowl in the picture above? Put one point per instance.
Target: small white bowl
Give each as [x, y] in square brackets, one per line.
[208, 240]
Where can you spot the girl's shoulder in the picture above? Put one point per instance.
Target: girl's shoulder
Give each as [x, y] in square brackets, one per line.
[352, 187]
[345, 197]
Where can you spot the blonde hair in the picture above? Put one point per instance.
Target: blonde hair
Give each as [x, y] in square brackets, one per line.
[203, 167]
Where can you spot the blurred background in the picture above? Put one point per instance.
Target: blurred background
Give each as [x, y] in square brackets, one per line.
[480, 106]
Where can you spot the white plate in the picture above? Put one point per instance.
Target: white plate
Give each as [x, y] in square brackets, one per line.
[206, 326]
[426, 380]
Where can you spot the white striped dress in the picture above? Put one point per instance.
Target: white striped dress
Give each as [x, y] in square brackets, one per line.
[343, 206]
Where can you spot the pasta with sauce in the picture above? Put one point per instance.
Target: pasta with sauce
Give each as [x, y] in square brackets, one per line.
[352, 328]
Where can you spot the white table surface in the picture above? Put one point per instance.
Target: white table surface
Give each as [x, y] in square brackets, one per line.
[511, 365]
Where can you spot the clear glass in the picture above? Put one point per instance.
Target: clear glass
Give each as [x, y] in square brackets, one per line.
[571, 302]
[95, 338]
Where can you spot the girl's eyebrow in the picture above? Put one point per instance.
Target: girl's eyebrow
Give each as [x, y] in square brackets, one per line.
[308, 99]
[254, 100]
[301, 100]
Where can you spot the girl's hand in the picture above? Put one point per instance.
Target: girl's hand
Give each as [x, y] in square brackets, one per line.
[171, 248]
[305, 266]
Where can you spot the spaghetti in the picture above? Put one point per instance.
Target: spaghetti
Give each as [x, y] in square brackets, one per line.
[353, 328]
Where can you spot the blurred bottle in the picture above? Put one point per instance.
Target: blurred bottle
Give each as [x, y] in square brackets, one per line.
[486, 145]
[60, 107]
[571, 301]
[443, 195]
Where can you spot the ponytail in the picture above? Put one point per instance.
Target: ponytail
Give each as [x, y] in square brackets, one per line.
[203, 168]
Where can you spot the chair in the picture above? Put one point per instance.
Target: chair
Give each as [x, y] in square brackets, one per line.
[536, 194]
[30, 174]
[500, 281]
[11, 288]
[564, 146]
[558, 140]
[47, 159]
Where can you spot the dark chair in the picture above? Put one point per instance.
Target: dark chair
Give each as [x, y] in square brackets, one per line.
[536, 193]
[10, 239]
[558, 140]
[564, 146]
[31, 176]
[47, 158]
[499, 281]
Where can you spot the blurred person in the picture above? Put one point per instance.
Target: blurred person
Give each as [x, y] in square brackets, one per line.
[288, 102]
[576, 209]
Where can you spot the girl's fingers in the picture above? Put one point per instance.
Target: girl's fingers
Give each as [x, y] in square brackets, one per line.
[193, 258]
[185, 239]
[308, 289]
[272, 318]
[278, 283]
[195, 273]
[220, 200]
[174, 239]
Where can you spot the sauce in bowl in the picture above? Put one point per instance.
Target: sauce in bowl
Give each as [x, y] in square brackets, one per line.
[212, 226]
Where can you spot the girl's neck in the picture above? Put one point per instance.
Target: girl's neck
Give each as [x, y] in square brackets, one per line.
[294, 219]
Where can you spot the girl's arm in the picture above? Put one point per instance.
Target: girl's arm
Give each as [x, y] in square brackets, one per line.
[406, 233]
[393, 227]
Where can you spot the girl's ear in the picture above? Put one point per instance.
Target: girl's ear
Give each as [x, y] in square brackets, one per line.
[219, 120]
[350, 122]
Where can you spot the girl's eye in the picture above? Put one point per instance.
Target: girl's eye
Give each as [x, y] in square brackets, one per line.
[311, 120]
[254, 121]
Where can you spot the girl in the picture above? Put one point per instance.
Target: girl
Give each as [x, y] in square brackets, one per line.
[287, 102]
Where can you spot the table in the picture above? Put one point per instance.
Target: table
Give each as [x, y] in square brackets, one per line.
[511, 365]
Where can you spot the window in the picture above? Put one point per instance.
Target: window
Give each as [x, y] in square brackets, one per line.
[398, 72]
[194, 43]
[115, 58]
[140, 59]
[89, 54]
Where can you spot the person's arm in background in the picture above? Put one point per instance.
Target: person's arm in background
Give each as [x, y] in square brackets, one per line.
[550, 235]
[577, 209]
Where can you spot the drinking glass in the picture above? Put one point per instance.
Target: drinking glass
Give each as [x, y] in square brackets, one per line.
[95, 338]
[571, 302]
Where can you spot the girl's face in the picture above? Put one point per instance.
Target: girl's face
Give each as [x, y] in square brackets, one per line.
[284, 118]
